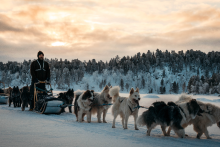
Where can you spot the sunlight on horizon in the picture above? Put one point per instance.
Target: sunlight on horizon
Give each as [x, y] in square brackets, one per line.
[58, 44]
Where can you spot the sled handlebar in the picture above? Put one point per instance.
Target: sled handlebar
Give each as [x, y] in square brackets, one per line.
[40, 82]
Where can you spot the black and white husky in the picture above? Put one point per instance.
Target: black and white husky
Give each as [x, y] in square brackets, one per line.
[169, 114]
[200, 124]
[125, 106]
[83, 105]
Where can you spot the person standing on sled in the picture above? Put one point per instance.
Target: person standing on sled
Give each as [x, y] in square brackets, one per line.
[40, 71]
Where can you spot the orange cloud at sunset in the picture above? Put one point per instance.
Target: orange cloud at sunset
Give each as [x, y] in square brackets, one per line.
[90, 29]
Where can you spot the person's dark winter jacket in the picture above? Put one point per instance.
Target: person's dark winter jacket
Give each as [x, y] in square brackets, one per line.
[40, 70]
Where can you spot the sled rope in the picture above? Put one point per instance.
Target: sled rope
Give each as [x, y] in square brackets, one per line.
[140, 107]
[106, 104]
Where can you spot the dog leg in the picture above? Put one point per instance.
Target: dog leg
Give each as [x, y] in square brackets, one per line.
[9, 102]
[104, 115]
[207, 134]
[180, 132]
[115, 116]
[70, 109]
[23, 105]
[14, 103]
[163, 128]
[123, 121]
[89, 117]
[126, 122]
[199, 135]
[83, 116]
[135, 122]
[99, 113]
[149, 128]
[80, 115]
[168, 131]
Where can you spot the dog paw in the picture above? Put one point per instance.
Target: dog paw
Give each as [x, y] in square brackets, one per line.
[186, 135]
[136, 129]
[100, 121]
[104, 121]
[125, 128]
[113, 126]
[209, 138]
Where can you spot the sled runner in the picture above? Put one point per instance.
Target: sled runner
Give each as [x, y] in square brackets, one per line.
[45, 102]
[3, 96]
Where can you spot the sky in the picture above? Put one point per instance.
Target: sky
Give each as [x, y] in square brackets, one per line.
[99, 29]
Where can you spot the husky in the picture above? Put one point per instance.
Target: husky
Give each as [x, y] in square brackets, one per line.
[83, 105]
[210, 116]
[101, 104]
[68, 97]
[25, 97]
[15, 97]
[171, 114]
[125, 106]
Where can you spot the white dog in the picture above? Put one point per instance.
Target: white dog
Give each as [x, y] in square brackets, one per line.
[125, 106]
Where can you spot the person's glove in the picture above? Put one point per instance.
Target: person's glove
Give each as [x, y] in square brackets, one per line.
[36, 80]
[48, 79]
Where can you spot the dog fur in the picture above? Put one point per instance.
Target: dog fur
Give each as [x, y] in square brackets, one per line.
[15, 97]
[68, 97]
[25, 97]
[100, 104]
[170, 114]
[125, 106]
[83, 105]
[210, 116]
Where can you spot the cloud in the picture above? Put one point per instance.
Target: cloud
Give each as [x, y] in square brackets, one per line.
[101, 29]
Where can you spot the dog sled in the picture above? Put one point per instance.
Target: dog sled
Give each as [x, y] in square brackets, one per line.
[45, 102]
[3, 97]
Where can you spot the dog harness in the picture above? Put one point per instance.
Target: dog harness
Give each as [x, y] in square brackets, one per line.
[40, 66]
[131, 109]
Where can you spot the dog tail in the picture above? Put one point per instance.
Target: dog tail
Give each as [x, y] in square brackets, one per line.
[147, 118]
[184, 98]
[78, 92]
[140, 120]
[114, 92]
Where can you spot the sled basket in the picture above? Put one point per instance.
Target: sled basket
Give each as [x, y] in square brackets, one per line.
[49, 105]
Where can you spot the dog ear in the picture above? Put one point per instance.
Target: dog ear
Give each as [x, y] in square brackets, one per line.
[92, 91]
[137, 90]
[106, 87]
[132, 91]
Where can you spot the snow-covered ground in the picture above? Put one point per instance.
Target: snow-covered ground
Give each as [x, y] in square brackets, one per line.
[21, 129]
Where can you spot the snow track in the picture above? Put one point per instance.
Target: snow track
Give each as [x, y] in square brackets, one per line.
[24, 128]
